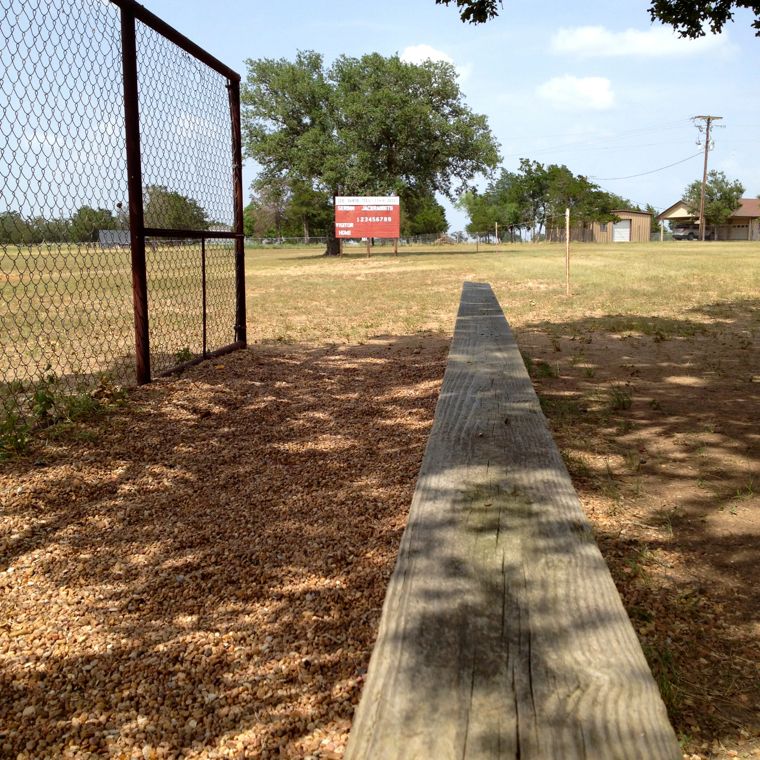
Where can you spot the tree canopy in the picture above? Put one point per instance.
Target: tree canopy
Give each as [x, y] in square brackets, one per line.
[281, 209]
[421, 214]
[372, 125]
[689, 18]
[86, 222]
[475, 11]
[721, 197]
[172, 210]
[654, 225]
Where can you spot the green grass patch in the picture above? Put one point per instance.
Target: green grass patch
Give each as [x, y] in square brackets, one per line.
[50, 405]
[620, 398]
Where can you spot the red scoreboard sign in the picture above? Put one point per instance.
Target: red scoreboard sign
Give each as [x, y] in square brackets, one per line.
[374, 216]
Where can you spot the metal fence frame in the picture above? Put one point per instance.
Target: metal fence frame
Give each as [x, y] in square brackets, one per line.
[66, 143]
[131, 12]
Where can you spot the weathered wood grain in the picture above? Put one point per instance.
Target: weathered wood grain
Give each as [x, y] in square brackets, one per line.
[502, 634]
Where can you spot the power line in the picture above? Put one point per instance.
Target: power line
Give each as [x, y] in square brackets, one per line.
[653, 128]
[652, 171]
[593, 142]
[584, 147]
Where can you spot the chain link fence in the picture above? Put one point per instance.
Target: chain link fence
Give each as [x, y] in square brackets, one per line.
[121, 251]
[439, 238]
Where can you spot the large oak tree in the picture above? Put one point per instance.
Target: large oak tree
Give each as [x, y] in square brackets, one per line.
[369, 125]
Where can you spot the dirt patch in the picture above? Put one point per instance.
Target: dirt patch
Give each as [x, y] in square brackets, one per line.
[202, 574]
[659, 428]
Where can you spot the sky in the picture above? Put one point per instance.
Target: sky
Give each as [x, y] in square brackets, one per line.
[595, 86]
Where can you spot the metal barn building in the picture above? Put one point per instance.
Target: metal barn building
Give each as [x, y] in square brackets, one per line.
[631, 227]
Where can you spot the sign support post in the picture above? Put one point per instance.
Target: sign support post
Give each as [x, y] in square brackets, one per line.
[368, 217]
[567, 251]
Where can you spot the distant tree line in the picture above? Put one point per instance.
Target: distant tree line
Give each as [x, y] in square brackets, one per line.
[161, 207]
[534, 199]
[81, 227]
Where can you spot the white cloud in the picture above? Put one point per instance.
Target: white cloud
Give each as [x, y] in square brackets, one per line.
[659, 41]
[578, 93]
[421, 53]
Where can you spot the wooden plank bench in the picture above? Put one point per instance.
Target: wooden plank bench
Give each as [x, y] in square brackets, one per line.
[502, 633]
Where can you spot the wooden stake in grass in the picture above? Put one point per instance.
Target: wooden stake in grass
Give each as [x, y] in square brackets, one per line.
[567, 251]
[369, 252]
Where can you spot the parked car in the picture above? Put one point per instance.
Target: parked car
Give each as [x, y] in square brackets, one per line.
[690, 232]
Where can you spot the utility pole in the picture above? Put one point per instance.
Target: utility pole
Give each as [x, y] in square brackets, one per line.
[708, 122]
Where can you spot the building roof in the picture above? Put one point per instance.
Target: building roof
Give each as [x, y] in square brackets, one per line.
[749, 207]
[668, 213]
[630, 211]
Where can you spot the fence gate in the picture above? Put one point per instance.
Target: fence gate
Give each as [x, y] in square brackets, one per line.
[182, 121]
[121, 198]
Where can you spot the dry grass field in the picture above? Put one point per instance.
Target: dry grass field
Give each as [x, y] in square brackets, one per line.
[200, 573]
[296, 295]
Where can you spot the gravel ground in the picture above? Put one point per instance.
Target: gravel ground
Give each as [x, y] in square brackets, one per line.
[201, 573]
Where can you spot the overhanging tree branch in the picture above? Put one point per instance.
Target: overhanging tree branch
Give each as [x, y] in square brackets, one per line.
[690, 18]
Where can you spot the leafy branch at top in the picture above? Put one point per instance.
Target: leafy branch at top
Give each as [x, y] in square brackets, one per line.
[690, 18]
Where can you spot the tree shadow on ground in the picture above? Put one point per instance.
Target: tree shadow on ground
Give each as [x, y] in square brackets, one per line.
[657, 421]
[503, 634]
[205, 569]
[386, 253]
[207, 572]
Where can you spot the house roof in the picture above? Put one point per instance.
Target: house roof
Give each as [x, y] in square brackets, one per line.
[749, 207]
[668, 213]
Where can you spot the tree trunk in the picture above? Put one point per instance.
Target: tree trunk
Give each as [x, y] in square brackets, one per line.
[333, 244]
[305, 231]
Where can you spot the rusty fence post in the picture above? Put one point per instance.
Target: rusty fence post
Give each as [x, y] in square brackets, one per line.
[203, 297]
[237, 183]
[134, 185]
